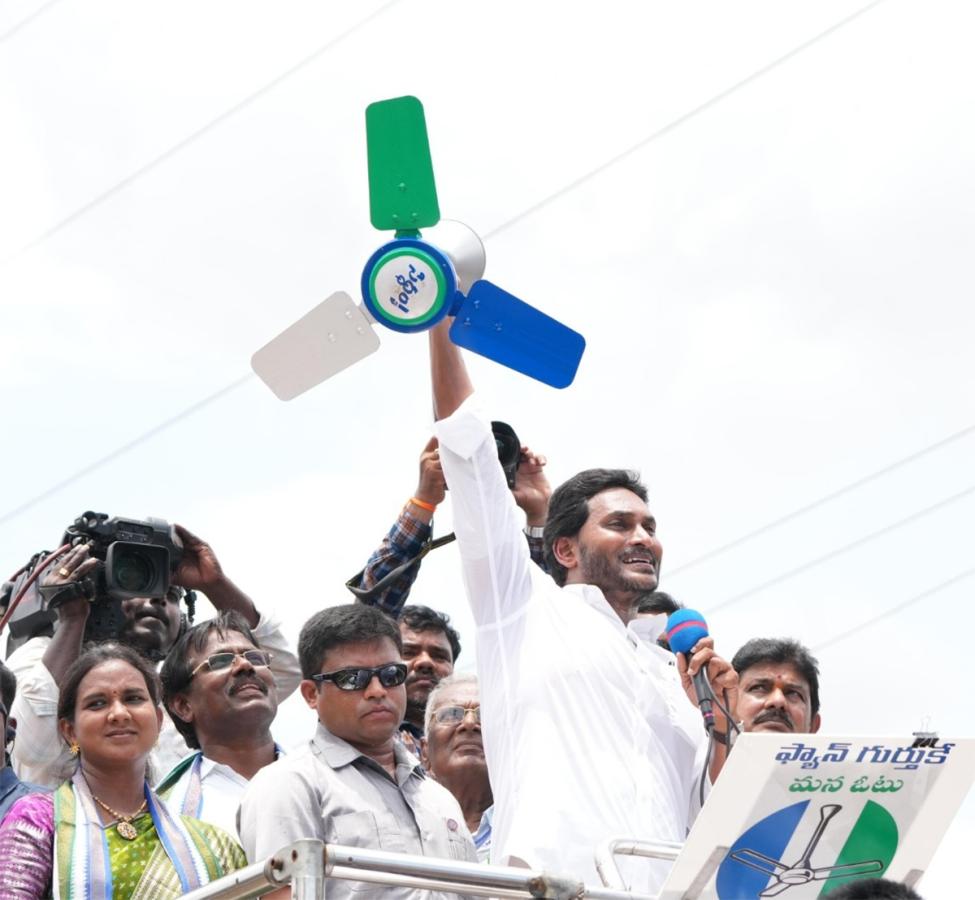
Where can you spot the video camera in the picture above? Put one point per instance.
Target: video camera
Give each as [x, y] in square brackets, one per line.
[136, 559]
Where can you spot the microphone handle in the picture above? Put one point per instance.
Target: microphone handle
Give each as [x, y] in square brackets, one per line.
[704, 696]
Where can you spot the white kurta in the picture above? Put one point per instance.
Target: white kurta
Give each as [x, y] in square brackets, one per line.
[587, 731]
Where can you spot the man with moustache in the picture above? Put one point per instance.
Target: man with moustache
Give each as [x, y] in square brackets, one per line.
[778, 687]
[430, 650]
[589, 732]
[220, 693]
[151, 627]
[354, 783]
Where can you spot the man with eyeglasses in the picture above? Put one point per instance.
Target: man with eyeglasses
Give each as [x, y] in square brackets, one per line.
[453, 753]
[151, 627]
[219, 691]
[354, 783]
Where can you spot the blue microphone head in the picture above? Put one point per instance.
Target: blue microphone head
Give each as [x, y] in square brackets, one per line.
[684, 629]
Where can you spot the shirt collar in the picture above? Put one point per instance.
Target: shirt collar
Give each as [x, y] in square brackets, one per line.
[593, 597]
[484, 826]
[208, 765]
[338, 753]
[8, 780]
[639, 630]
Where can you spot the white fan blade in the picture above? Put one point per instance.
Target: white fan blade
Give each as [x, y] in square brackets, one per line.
[330, 338]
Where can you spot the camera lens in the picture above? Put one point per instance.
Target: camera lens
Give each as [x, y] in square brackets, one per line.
[134, 572]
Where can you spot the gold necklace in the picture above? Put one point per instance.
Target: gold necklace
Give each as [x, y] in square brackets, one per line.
[124, 826]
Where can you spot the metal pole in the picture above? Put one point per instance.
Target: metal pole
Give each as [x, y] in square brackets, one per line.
[606, 852]
[307, 870]
[306, 864]
[477, 890]
[243, 884]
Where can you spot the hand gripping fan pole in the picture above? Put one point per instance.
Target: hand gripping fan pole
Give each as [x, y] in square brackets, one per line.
[412, 282]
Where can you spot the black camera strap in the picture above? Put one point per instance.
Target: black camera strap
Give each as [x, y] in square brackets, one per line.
[367, 594]
[56, 594]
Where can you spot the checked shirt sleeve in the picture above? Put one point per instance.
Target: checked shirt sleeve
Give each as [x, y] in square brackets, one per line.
[404, 542]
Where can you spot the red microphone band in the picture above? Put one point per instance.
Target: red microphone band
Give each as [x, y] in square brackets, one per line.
[690, 623]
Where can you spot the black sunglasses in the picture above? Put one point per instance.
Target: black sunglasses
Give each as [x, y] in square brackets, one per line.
[390, 675]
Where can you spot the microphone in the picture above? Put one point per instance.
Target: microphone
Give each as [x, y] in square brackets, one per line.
[685, 628]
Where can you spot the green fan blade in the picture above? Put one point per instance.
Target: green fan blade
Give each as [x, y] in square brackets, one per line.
[402, 195]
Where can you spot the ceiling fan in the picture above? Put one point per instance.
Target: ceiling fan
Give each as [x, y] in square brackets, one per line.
[412, 282]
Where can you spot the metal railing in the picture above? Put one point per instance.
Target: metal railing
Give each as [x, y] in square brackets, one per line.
[606, 866]
[307, 864]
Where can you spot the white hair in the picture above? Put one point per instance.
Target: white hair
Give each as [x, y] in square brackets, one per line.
[450, 681]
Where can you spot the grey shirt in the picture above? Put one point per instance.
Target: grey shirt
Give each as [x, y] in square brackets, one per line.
[331, 792]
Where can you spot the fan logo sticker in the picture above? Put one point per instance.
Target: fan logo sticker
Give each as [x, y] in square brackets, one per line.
[407, 288]
[809, 843]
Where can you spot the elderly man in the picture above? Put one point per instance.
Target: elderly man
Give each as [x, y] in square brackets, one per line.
[11, 787]
[453, 753]
[219, 691]
[588, 732]
[354, 783]
[151, 626]
[778, 687]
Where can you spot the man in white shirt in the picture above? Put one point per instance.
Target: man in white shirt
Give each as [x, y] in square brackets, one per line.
[588, 730]
[151, 626]
[219, 690]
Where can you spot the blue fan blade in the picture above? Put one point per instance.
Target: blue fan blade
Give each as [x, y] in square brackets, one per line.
[501, 327]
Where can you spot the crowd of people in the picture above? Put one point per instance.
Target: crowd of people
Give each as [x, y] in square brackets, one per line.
[146, 766]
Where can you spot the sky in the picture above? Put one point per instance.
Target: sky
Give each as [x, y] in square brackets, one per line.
[760, 215]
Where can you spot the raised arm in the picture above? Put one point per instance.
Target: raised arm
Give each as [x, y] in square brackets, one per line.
[496, 562]
[404, 541]
[448, 373]
[199, 569]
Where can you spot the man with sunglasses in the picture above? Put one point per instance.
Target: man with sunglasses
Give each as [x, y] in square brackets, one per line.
[219, 691]
[453, 753]
[354, 783]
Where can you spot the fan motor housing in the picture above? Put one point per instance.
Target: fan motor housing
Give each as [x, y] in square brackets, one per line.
[408, 285]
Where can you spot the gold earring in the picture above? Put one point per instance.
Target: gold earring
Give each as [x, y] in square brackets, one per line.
[74, 748]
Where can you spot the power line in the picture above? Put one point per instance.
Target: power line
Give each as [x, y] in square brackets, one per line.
[894, 610]
[680, 120]
[846, 548]
[24, 22]
[141, 439]
[225, 115]
[821, 501]
[196, 135]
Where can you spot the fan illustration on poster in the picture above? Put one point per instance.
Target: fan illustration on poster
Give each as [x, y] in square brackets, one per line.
[798, 819]
[759, 864]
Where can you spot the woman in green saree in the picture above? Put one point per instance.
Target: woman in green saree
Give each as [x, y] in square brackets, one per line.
[104, 835]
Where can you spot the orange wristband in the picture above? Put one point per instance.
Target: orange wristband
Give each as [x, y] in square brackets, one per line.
[429, 507]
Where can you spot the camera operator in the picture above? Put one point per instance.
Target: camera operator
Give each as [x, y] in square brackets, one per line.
[151, 626]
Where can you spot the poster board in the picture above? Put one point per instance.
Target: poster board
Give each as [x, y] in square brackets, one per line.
[795, 816]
